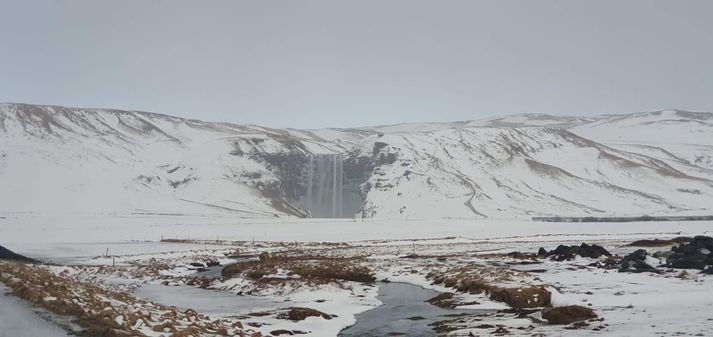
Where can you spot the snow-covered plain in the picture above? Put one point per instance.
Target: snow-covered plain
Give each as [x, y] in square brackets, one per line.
[630, 304]
[67, 237]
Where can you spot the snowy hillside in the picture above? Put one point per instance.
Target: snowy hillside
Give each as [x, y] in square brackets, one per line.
[681, 138]
[62, 160]
[497, 172]
[95, 161]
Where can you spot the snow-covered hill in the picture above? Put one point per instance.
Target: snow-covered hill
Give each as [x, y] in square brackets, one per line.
[98, 161]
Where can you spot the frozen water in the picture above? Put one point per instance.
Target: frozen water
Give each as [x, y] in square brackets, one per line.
[404, 311]
[18, 319]
[214, 303]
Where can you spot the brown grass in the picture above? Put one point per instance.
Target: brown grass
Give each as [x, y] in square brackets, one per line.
[478, 279]
[103, 313]
[308, 267]
[568, 314]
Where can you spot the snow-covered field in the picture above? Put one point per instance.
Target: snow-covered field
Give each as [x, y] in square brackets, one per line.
[641, 304]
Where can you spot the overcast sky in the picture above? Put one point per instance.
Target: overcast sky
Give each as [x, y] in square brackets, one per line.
[338, 63]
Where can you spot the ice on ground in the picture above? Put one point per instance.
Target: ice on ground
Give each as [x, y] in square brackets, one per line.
[19, 319]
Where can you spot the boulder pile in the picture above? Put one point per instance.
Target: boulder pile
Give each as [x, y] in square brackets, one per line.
[563, 252]
[697, 254]
[634, 263]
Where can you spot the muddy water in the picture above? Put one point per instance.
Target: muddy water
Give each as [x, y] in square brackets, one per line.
[404, 311]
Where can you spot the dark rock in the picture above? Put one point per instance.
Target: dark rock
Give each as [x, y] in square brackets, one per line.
[696, 254]
[639, 254]
[682, 239]
[377, 147]
[594, 251]
[568, 314]
[563, 252]
[703, 242]
[687, 262]
[542, 252]
[708, 270]
[521, 256]
[636, 263]
[299, 314]
[443, 300]
[651, 243]
[6, 254]
[281, 332]
[662, 254]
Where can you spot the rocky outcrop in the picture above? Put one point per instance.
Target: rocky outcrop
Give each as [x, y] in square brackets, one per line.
[636, 263]
[563, 252]
[6, 254]
[698, 254]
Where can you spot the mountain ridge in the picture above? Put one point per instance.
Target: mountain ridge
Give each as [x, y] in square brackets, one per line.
[75, 160]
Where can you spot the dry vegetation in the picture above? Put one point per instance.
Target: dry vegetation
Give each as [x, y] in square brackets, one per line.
[477, 279]
[105, 313]
[309, 268]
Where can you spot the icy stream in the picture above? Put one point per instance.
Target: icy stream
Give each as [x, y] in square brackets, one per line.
[404, 311]
[214, 303]
[19, 319]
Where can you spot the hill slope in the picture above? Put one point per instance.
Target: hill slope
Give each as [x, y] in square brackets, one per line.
[98, 161]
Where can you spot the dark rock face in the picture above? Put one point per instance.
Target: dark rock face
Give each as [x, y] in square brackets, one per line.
[695, 255]
[563, 252]
[568, 314]
[6, 254]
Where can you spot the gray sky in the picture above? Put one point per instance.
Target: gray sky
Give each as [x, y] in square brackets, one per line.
[339, 63]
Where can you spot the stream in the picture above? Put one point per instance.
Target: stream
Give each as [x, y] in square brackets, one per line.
[19, 319]
[404, 311]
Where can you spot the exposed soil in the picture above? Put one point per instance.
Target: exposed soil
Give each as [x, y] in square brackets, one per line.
[308, 268]
[567, 314]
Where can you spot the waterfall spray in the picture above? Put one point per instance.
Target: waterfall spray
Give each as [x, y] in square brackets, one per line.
[323, 179]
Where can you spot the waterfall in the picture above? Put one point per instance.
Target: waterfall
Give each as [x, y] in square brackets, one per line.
[322, 179]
